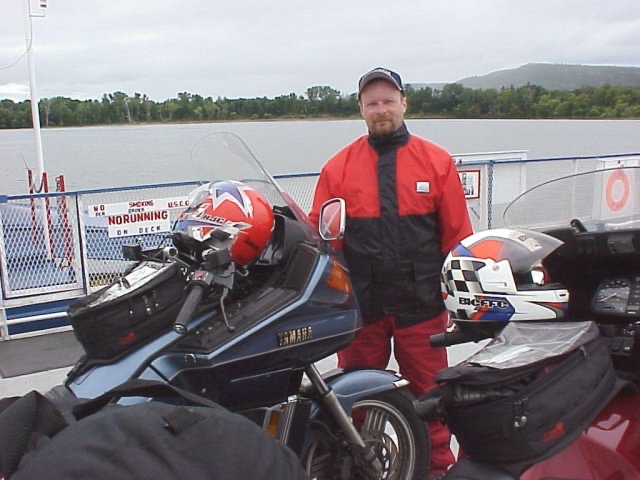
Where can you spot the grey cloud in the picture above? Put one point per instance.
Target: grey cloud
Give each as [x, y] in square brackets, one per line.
[249, 48]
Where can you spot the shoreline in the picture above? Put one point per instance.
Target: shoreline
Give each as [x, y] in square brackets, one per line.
[320, 119]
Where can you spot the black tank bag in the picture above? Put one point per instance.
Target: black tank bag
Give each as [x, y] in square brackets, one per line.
[529, 392]
[134, 309]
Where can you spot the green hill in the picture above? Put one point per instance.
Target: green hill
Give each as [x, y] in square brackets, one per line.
[556, 77]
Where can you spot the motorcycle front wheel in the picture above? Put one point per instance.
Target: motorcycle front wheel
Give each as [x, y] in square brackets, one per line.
[389, 424]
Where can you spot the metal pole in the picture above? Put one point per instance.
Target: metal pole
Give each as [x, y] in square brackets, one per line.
[35, 115]
[32, 90]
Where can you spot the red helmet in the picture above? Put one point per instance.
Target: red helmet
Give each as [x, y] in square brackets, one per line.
[234, 208]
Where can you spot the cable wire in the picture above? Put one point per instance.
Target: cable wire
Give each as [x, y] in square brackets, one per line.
[26, 50]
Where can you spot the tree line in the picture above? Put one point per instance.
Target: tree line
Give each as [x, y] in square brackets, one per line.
[451, 101]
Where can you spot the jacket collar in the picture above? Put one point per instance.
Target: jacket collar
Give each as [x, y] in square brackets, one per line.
[396, 139]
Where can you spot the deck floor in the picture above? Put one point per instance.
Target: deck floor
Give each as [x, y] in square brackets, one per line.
[25, 356]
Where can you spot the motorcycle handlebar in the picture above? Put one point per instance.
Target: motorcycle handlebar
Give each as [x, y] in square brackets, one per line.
[456, 337]
[428, 409]
[196, 293]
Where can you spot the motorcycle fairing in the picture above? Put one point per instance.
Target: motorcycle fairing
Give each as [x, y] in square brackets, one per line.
[608, 448]
[238, 368]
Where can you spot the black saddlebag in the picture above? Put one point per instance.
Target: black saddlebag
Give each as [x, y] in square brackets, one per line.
[135, 308]
[528, 393]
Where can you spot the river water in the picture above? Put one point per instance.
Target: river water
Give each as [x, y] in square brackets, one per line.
[93, 157]
[108, 156]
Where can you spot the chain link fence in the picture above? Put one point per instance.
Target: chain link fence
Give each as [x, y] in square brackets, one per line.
[39, 245]
[105, 230]
[63, 245]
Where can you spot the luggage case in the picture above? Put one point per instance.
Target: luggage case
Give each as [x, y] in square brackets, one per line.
[134, 309]
[529, 392]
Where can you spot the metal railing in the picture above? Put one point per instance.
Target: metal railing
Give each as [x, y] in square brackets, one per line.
[55, 247]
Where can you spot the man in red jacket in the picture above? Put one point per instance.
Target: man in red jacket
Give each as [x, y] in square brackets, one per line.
[405, 211]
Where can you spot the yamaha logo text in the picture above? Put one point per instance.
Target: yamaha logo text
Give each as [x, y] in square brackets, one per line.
[297, 335]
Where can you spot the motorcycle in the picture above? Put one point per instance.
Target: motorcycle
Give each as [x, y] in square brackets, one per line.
[595, 215]
[248, 336]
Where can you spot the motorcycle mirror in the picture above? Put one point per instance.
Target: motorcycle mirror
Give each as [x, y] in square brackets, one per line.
[132, 252]
[332, 219]
[217, 258]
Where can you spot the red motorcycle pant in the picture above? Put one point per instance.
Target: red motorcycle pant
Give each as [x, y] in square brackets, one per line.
[417, 362]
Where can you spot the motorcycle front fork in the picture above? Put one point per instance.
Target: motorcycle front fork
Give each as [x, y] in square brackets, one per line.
[285, 421]
[329, 401]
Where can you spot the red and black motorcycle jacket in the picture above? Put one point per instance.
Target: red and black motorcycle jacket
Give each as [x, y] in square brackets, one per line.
[405, 211]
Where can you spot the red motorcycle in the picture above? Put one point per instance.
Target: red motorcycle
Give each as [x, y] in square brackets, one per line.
[574, 269]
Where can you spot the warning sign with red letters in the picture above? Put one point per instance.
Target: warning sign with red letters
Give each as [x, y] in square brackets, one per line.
[138, 217]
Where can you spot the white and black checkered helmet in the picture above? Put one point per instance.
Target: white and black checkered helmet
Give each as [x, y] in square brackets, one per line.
[497, 275]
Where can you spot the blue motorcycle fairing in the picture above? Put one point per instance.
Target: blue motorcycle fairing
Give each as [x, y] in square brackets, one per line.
[101, 378]
[251, 351]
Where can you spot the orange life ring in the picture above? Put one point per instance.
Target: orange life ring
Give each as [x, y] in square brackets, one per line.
[617, 204]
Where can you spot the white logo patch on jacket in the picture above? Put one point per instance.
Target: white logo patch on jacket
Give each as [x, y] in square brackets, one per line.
[423, 187]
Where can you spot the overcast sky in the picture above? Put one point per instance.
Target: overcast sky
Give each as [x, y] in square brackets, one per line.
[255, 48]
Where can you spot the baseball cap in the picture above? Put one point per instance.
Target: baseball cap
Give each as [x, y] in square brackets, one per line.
[380, 73]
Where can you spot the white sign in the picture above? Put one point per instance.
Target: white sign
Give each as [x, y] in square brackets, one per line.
[141, 223]
[137, 206]
[470, 180]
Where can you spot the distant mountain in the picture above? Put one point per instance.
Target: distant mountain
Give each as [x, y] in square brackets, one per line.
[419, 86]
[556, 77]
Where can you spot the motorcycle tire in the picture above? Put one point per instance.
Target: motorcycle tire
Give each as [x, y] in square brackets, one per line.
[389, 422]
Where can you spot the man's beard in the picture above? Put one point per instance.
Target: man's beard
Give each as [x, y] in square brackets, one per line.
[382, 128]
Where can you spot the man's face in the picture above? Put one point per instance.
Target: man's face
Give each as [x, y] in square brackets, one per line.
[382, 107]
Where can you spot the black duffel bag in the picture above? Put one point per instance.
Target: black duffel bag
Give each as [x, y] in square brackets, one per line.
[529, 392]
[134, 309]
[68, 439]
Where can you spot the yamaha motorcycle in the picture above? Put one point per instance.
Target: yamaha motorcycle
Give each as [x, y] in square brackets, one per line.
[248, 337]
[596, 215]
